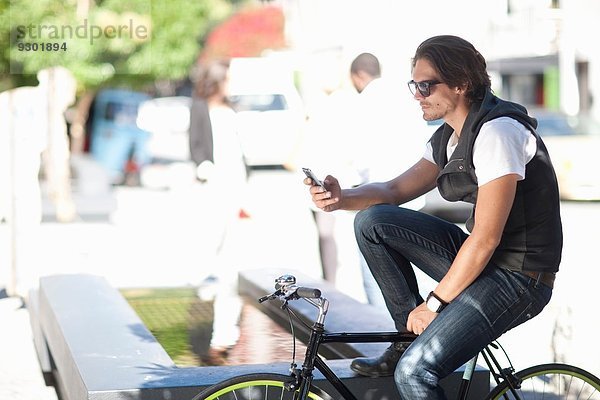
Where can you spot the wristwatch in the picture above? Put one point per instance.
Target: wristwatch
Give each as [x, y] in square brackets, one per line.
[434, 303]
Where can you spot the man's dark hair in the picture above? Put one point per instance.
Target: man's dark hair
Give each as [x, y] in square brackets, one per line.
[457, 63]
[368, 63]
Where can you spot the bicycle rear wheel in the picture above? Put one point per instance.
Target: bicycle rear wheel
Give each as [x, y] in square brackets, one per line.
[256, 386]
[551, 382]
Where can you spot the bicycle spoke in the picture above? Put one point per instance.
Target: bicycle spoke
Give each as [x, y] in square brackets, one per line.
[552, 382]
[257, 387]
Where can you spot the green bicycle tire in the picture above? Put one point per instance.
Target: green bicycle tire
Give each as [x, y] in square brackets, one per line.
[264, 386]
[551, 382]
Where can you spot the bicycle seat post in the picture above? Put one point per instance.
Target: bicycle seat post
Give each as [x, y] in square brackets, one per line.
[467, 376]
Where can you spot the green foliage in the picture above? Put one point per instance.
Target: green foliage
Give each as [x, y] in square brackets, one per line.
[176, 317]
[116, 43]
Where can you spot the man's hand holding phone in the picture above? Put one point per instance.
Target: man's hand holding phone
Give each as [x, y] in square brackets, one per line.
[325, 197]
[314, 179]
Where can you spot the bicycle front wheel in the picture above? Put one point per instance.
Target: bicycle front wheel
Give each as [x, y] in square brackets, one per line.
[551, 382]
[257, 386]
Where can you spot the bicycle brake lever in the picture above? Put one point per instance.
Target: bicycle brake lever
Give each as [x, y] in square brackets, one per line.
[272, 296]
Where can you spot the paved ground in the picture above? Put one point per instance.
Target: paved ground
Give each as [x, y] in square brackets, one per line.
[20, 376]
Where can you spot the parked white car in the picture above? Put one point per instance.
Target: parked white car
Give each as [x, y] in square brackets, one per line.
[270, 111]
[270, 126]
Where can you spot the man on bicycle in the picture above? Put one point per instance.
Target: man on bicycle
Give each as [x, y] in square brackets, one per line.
[491, 279]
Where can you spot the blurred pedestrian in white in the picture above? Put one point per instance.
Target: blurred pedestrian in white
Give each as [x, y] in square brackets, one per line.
[225, 179]
[326, 126]
[375, 150]
[382, 151]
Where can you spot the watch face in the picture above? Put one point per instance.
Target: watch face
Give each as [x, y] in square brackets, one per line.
[433, 304]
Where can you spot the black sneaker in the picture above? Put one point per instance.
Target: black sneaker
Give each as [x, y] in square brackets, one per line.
[384, 365]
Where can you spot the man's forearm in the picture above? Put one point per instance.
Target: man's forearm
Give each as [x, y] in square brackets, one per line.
[364, 196]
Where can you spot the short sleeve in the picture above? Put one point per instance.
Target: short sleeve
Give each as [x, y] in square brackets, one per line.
[504, 146]
[428, 154]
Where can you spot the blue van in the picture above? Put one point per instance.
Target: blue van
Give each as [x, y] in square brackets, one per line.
[115, 140]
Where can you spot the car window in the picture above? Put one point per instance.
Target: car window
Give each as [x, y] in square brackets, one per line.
[259, 102]
[121, 113]
[563, 125]
[555, 125]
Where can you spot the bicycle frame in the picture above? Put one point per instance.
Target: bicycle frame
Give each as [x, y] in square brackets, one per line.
[312, 360]
[286, 288]
[299, 381]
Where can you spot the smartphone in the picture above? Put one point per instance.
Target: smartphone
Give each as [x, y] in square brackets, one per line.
[311, 175]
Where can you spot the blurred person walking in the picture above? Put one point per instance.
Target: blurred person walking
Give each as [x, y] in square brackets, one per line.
[221, 167]
[201, 137]
[388, 140]
[327, 124]
[373, 110]
[383, 116]
[490, 280]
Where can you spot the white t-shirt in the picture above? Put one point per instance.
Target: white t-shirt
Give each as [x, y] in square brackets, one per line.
[503, 146]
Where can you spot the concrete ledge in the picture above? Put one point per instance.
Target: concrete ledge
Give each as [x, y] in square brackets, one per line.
[92, 345]
[96, 341]
[345, 313]
[39, 340]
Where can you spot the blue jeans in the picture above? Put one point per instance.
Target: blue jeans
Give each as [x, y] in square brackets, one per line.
[391, 238]
[372, 290]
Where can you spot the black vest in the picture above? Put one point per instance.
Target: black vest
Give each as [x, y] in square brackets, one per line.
[532, 238]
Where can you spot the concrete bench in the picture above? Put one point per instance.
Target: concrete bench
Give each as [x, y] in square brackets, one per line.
[92, 345]
[345, 313]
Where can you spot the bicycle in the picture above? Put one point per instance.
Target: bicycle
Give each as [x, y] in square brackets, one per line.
[546, 381]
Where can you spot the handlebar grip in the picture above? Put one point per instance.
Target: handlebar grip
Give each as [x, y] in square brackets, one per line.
[264, 298]
[309, 293]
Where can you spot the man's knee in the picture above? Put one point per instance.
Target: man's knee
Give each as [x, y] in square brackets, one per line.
[362, 219]
[367, 218]
[410, 376]
[407, 372]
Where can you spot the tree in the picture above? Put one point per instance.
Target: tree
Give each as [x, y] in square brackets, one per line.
[114, 43]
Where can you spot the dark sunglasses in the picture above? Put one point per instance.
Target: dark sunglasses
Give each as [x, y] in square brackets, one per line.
[424, 87]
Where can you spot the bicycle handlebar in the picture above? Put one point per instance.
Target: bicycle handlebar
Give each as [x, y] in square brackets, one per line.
[286, 290]
[292, 292]
[308, 293]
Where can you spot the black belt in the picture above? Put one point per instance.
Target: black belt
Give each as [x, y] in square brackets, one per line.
[547, 278]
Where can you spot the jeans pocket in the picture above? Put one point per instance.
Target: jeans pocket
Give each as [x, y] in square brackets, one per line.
[529, 302]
